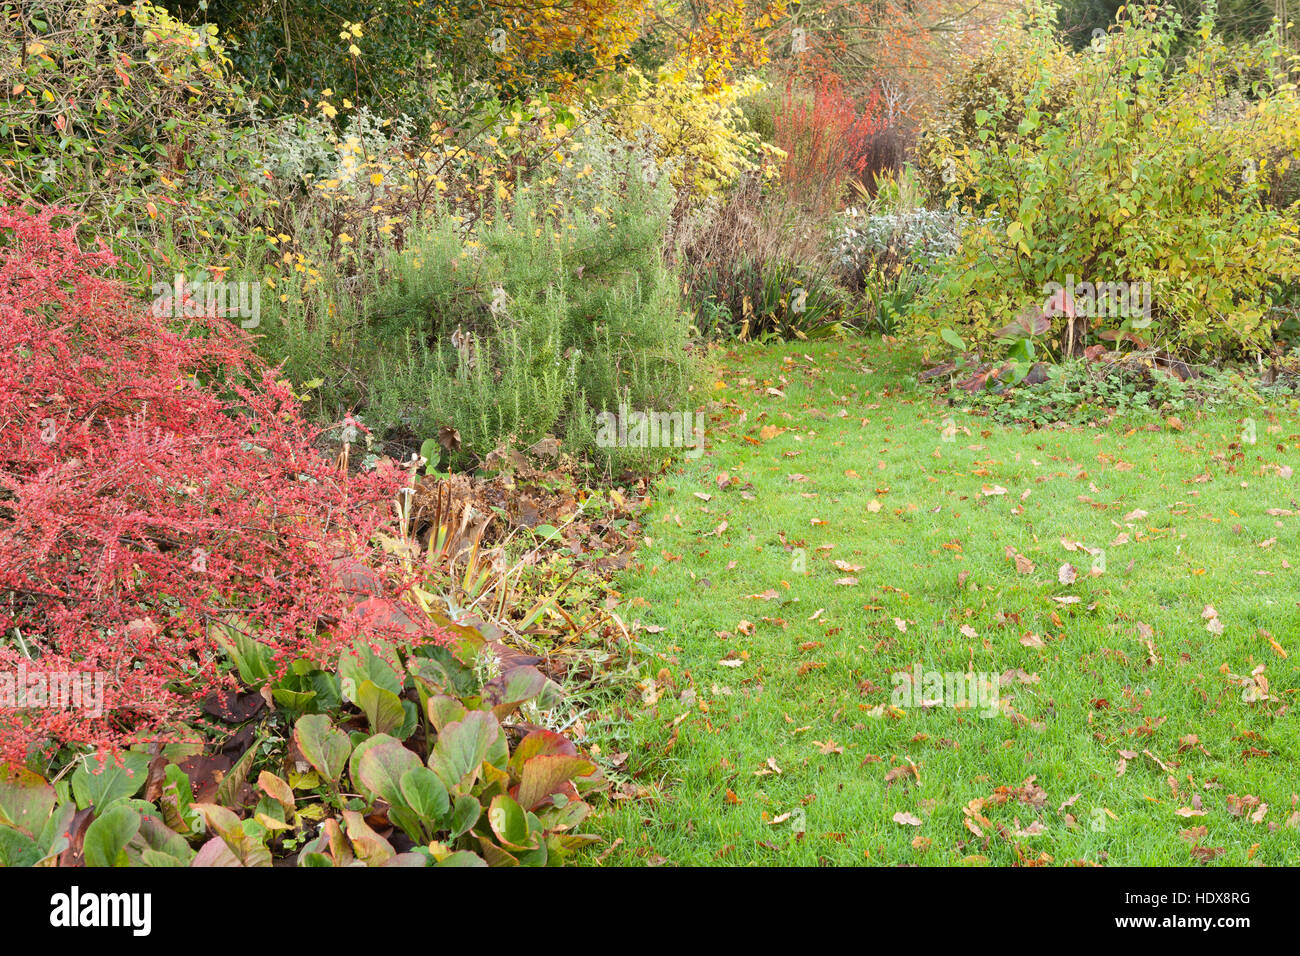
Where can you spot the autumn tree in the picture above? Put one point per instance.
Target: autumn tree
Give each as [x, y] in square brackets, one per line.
[903, 48]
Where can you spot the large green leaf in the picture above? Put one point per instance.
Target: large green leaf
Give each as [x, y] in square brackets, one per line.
[495, 855]
[100, 781]
[368, 845]
[538, 743]
[26, 800]
[246, 849]
[382, 708]
[151, 857]
[53, 839]
[106, 838]
[361, 663]
[462, 747]
[545, 775]
[425, 794]
[462, 858]
[464, 814]
[296, 700]
[253, 659]
[177, 800]
[354, 762]
[382, 767]
[510, 824]
[156, 839]
[516, 686]
[325, 747]
[444, 710]
[17, 849]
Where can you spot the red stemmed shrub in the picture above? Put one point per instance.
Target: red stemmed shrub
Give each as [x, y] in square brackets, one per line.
[826, 137]
[153, 481]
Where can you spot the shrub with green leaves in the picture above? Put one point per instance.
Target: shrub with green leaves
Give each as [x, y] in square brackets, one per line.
[132, 118]
[988, 99]
[1155, 171]
[526, 326]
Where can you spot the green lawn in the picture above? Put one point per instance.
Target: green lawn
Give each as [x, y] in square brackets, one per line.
[773, 739]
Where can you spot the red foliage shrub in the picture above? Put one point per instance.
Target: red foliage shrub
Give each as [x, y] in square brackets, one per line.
[826, 139]
[152, 482]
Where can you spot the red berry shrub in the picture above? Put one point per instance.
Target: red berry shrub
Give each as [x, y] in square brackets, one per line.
[152, 483]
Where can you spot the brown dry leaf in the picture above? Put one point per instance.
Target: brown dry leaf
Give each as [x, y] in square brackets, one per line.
[1237, 806]
[907, 819]
[1034, 829]
[897, 773]
[449, 438]
[1067, 574]
[1204, 854]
